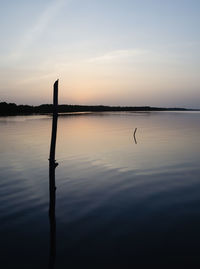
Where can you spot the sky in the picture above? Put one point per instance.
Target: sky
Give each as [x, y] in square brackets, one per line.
[108, 52]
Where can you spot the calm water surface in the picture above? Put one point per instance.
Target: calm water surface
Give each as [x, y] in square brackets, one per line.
[119, 201]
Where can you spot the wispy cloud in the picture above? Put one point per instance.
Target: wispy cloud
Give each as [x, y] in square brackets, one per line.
[118, 55]
[136, 55]
[39, 28]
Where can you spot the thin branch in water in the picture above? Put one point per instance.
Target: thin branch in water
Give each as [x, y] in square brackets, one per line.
[135, 136]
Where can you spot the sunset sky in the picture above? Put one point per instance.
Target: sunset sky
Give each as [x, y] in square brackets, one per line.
[109, 52]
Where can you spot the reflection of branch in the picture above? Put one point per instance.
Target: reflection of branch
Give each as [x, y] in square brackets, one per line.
[135, 136]
[52, 185]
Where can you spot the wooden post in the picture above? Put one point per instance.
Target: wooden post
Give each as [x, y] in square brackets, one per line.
[52, 186]
[54, 123]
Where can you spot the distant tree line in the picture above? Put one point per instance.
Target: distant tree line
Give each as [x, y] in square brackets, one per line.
[13, 109]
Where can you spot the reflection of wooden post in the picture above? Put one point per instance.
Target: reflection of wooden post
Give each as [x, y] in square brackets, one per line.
[52, 186]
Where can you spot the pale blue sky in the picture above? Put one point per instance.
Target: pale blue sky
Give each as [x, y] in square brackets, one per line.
[122, 52]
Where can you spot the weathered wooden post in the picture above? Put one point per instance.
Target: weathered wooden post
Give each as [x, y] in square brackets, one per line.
[52, 186]
[54, 123]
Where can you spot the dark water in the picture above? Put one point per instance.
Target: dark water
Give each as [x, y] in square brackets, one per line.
[119, 202]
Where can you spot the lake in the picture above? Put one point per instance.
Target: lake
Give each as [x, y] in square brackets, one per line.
[120, 200]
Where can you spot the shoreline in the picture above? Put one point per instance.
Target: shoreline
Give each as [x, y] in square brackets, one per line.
[11, 109]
